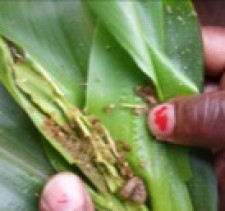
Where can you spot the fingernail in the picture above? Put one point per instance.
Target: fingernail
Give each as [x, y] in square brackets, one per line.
[161, 120]
[65, 192]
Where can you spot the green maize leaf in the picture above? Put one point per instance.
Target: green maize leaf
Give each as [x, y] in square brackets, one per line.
[34, 87]
[56, 37]
[23, 165]
[116, 87]
[151, 52]
[203, 187]
[64, 126]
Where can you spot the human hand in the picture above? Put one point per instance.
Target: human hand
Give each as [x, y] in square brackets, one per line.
[199, 120]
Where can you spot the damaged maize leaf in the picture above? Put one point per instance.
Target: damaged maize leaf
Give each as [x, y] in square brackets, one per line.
[82, 141]
[141, 52]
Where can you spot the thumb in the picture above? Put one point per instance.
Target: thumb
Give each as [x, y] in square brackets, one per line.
[195, 121]
[65, 192]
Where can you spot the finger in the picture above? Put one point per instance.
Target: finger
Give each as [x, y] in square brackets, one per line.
[196, 120]
[214, 49]
[65, 192]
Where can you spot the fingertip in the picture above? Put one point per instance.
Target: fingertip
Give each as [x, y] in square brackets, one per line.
[65, 191]
[161, 121]
[214, 50]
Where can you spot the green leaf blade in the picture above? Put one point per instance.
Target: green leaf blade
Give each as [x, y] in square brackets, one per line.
[57, 35]
[147, 52]
[44, 30]
[116, 87]
[24, 170]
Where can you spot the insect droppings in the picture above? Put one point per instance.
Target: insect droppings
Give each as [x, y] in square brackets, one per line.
[134, 190]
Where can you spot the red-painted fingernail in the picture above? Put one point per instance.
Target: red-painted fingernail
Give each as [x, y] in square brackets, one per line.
[65, 192]
[161, 120]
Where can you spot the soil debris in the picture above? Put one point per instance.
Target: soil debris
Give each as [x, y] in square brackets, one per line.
[147, 93]
[109, 108]
[125, 169]
[136, 109]
[139, 111]
[134, 190]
